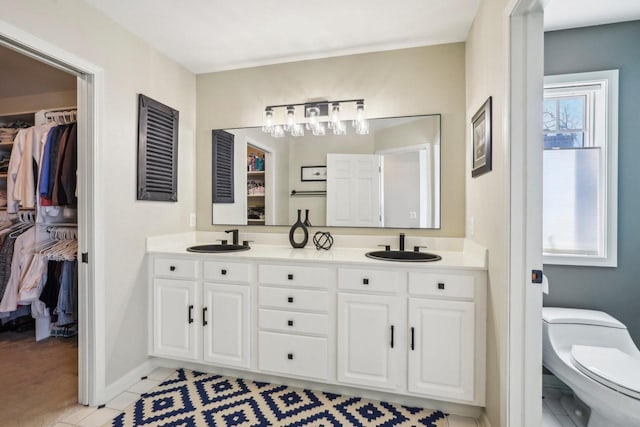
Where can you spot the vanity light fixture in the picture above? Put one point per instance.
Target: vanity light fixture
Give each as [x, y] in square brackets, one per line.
[318, 116]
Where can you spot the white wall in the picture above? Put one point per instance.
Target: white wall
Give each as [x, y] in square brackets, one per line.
[36, 102]
[427, 80]
[130, 67]
[487, 195]
[401, 189]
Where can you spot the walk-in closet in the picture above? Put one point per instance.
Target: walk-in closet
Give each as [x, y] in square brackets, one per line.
[38, 240]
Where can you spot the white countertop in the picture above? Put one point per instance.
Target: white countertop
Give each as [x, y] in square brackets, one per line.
[471, 257]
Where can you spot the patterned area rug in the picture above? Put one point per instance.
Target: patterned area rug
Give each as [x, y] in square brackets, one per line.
[190, 398]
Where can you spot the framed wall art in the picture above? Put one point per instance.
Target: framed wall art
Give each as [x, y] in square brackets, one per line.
[481, 127]
[313, 173]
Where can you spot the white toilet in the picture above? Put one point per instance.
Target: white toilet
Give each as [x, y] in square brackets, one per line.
[593, 354]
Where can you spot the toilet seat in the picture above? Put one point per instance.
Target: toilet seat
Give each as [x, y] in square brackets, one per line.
[610, 367]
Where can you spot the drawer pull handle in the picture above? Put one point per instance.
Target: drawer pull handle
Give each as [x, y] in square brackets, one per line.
[290, 276]
[190, 314]
[290, 356]
[392, 336]
[172, 268]
[440, 285]
[204, 316]
[290, 299]
[413, 339]
[224, 272]
[290, 322]
[365, 281]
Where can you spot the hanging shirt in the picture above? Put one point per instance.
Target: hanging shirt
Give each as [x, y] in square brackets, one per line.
[22, 175]
[22, 256]
[33, 279]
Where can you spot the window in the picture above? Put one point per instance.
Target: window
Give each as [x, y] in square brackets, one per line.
[580, 181]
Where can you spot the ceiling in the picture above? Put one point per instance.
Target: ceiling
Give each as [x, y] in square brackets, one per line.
[564, 14]
[215, 35]
[30, 77]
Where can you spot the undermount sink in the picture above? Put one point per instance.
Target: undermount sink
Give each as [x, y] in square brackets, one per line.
[208, 249]
[403, 256]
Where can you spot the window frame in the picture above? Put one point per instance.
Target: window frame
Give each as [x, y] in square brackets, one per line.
[609, 81]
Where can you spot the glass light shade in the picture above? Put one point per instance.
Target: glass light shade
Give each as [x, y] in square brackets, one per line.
[339, 128]
[335, 116]
[277, 131]
[268, 120]
[318, 129]
[362, 127]
[297, 130]
[291, 118]
[314, 113]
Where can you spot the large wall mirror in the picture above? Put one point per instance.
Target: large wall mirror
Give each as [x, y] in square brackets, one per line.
[387, 178]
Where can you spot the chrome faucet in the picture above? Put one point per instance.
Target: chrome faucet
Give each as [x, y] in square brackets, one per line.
[235, 235]
[401, 242]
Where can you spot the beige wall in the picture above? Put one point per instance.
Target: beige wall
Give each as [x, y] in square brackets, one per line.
[487, 200]
[130, 67]
[41, 101]
[395, 83]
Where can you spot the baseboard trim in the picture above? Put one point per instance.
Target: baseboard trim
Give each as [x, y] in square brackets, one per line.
[128, 379]
[484, 420]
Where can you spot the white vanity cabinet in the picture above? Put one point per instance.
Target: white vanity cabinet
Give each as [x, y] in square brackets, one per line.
[421, 337]
[368, 350]
[293, 320]
[174, 331]
[205, 319]
[402, 329]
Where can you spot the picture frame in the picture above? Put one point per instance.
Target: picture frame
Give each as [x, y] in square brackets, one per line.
[481, 128]
[313, 173]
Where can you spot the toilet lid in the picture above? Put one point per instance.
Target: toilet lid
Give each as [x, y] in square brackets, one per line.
[610, 367]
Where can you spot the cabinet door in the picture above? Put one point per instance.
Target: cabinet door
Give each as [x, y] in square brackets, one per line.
[226, 324]
[175, 330]
[369, 349]
[441, 348]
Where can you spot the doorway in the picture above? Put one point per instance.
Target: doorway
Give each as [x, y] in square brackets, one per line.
[90, 366]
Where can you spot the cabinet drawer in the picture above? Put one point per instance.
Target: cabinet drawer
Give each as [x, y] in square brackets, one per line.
[227, 271]
[371, 280]
[312, 277]
[182, 268]
[296, 299]
[291, 321]
[446, 285]
[293, 355]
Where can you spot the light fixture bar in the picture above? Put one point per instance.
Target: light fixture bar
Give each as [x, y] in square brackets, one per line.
[318, 116]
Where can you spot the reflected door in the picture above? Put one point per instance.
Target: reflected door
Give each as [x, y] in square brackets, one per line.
[353, 190]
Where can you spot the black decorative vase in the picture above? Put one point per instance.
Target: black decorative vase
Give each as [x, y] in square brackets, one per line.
[298, 225]
[306, 222]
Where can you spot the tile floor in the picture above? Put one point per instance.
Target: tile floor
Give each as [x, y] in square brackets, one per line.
[86, 416]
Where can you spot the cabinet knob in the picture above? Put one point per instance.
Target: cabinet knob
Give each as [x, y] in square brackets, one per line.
[365, 281]
[290, 276]
[172, 268]
[290, 356]
[440, 285]
[290, 322]
[290, 299]
[223, 272]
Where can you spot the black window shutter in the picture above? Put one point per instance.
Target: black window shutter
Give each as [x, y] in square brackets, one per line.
[222, 170]
[157, 151]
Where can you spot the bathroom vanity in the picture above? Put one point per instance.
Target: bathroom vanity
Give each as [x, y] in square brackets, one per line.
[326, 317]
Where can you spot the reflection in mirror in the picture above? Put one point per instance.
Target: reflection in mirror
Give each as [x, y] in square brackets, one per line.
[388, 178]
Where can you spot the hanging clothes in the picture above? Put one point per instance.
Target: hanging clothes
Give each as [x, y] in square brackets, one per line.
[22, 256]
[24, 165]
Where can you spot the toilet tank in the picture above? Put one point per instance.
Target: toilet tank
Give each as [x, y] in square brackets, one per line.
[564, 327]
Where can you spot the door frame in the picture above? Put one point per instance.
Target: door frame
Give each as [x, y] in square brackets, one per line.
[525, 61]
[91, 319]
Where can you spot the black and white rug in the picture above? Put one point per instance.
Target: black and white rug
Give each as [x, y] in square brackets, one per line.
[190, 398]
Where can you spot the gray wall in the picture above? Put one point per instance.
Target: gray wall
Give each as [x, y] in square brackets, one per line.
[614, 290]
